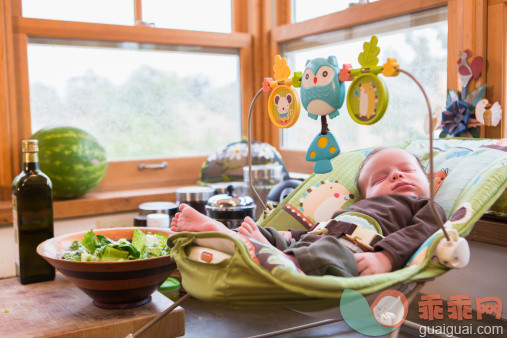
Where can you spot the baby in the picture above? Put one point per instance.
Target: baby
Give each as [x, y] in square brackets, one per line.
[395, 191]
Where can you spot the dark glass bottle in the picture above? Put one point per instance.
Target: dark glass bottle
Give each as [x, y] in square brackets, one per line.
[32, 206]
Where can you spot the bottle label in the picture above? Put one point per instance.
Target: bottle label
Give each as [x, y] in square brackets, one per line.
[30, 157]
[15, 225]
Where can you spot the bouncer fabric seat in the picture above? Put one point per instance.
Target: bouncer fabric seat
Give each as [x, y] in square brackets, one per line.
[470, 175]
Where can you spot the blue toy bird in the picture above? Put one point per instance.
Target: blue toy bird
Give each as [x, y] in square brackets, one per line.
[322, 93]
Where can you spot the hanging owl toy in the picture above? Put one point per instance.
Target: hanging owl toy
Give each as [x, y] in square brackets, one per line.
[323, 94]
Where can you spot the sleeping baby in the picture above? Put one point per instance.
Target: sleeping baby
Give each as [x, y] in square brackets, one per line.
[395, 189]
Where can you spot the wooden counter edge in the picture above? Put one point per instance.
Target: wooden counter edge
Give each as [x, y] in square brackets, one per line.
[169, 326]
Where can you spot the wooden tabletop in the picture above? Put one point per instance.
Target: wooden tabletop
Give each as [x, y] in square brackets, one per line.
[58, 308]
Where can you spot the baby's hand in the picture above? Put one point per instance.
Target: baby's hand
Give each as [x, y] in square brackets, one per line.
[371, 263]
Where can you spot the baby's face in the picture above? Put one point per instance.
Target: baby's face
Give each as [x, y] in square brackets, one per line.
[393, 171]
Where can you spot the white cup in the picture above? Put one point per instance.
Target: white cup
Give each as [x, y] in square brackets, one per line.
[157, 221]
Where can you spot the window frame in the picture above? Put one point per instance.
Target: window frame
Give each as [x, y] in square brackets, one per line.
[121, 175]
[468, 23]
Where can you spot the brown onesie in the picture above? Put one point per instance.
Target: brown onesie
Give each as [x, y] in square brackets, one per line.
[406, 222]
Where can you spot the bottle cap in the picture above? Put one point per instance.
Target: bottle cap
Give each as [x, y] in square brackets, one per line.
[157, 220]
[30, 146]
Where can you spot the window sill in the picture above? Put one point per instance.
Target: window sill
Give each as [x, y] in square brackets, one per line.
[486, 230]
[102, 202]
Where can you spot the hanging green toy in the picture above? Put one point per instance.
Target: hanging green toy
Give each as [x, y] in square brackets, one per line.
[367, 96]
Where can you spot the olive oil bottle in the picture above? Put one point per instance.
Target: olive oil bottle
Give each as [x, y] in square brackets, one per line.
[32, 207]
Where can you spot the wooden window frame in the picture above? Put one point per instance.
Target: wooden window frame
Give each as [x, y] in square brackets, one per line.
[468, 24]
[15, 111]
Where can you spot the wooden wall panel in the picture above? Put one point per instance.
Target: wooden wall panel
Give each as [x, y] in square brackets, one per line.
[7, 100]
[497, 63]
[480, 25]
[261, 15]
[467, 30]
[5, 160]
[241, 23]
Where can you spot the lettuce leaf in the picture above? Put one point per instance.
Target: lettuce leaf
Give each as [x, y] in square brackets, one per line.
[111, 254]
[103, 240]
[95, 248]
[90, 242]
[138, 240]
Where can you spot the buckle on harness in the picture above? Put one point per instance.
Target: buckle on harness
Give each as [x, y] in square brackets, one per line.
[359, 242]
[365, 238]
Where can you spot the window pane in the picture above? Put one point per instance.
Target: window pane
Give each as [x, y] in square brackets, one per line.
[140, 101]
[196, 15]
[421, 50]
[309, 9]
[119, 12]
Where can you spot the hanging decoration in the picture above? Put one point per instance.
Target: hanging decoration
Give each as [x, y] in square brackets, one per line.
[283, 104]
[322, 94]
[367, 96]
[464, 114]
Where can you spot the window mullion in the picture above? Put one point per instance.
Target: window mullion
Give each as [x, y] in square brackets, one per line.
[138, 12]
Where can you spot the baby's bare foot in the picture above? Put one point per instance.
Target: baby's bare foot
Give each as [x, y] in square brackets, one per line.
[249, 229]
[189, 219]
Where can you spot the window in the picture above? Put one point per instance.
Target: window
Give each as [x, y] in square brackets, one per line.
[139, 100]
[309, 9]
[150, 94]
[119, 12]
[198, 15]
[419, 43]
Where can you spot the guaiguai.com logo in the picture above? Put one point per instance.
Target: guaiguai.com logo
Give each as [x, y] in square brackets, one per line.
[387, 312]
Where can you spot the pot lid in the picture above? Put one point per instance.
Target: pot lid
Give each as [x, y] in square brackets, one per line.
[194, 193]
[238, 188]
[263, 171]
[158, 207]
[230, 203]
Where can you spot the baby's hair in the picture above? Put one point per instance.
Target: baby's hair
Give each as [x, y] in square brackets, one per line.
[368, 157]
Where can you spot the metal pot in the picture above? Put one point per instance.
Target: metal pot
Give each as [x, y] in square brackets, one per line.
[195, 196]
[230, 210]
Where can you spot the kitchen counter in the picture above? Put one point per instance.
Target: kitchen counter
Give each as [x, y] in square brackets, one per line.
[58, 308]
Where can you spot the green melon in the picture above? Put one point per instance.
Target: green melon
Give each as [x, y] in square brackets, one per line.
[72, 158]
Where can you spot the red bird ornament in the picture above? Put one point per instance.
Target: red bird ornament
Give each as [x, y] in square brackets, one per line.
[465, 71]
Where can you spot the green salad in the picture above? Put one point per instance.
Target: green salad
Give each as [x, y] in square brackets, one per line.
[102, 249]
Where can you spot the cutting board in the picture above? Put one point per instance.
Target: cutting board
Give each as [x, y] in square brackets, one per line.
[60, 309]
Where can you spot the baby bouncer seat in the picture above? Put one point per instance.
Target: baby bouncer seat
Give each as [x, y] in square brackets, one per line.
[470, 175]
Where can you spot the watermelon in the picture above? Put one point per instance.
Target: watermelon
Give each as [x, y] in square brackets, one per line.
[72, 158]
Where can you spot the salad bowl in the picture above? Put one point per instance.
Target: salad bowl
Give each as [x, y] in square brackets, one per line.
[114, 285]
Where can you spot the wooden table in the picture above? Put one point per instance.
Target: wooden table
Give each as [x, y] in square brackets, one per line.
[60, 309]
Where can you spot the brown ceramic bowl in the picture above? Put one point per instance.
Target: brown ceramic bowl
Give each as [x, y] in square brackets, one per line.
[113, 285]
